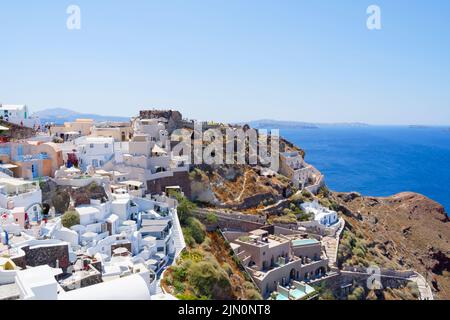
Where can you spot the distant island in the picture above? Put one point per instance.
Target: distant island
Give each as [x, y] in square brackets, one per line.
[267, 123]
[415, 126]
[61, 115]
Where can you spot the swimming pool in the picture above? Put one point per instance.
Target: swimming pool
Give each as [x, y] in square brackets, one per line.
[303, 242]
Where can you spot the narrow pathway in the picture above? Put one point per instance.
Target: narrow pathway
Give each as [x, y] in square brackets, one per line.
[331, 244]
[425, 292]
[424, 288]
[178, 236]
[243, 188]
[278, 203]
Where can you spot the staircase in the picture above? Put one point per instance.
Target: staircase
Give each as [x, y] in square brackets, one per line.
[178, 237]
[330, 244]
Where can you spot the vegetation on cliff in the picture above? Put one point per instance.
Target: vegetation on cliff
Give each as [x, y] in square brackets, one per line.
[206, 269]
[404, 232]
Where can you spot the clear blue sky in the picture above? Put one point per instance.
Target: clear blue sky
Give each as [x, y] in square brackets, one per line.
[231, 60]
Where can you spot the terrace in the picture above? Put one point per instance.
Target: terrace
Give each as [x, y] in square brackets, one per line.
[31, 157]
[296, 291]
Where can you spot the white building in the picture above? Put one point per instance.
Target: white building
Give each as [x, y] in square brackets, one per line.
[16, 193]
[322, 215]
[18, 114]
[302, 174]
[137, 286]
[94, 151]
[38, 283]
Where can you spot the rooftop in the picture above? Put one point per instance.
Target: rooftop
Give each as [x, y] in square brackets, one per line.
[15, 182]
[133, 183]
[11, 106]
[86, 210]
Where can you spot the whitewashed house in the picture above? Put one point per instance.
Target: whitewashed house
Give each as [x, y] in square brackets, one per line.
[302, 174]
[322, 215]
[18, 114]
[16, 193]
[94, 151]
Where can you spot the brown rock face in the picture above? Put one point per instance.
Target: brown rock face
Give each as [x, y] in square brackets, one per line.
[408, 230]
[173, 118]
[16, 132]
[239, 187]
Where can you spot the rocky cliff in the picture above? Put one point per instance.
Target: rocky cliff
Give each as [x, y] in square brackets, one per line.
[406, 231]
[16, 132]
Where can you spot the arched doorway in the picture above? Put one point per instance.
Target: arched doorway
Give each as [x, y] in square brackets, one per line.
[292, 275]
[34, 212]
[320, 272]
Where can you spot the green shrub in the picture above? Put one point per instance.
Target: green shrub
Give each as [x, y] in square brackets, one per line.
[93, 187]
[227, 269]
[327, 295]
[357, 294]
[305, 216]
[289, 218]
[184, 209]
[197, 230]
[206, 245]
[186, 297]
[323, 192]
[252, 294]
[306, 194]
[207, 278]
[190, 242]
[358, 252]
[414, 289]
[179, 273]
[211, 218]
[70, 219]
[61, 201]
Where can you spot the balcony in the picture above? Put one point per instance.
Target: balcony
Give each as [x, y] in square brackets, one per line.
[30, 157]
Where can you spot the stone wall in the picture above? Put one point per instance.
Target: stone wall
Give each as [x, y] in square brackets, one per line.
[178, 179]
[47, 255]
[341, 280]
[231, 223]
[174, 118]
[121, 245]
[20, 261]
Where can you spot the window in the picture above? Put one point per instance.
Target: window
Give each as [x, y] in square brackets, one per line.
[91, 146]
[106, 145]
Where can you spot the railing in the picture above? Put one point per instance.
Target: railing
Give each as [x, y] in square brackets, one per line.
[7, 171]
[23, 158]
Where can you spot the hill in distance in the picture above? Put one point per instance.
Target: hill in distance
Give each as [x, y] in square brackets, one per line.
[61, 115]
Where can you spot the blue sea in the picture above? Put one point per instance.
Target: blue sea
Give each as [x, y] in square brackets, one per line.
[379, 160]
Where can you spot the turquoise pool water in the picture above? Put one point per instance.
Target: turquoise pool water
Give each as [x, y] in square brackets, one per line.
[299, 294]
[304, 242]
